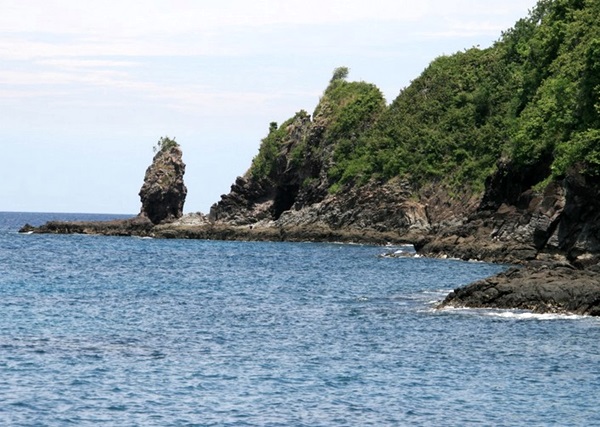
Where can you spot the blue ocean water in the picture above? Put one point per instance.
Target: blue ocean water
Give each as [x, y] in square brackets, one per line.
[125, 331]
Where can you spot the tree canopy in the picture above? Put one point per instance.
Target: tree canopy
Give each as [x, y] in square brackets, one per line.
[532, 98]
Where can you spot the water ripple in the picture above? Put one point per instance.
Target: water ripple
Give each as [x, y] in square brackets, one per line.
[122, 331]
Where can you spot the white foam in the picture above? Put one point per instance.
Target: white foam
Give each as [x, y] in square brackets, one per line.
[514, 314]
[526, 315]
[406, 246]
[438, 291]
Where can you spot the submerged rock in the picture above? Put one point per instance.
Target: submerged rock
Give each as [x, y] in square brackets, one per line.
[163, 192]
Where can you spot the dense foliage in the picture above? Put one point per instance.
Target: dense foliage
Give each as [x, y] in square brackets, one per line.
[532, 98]
[264, 162]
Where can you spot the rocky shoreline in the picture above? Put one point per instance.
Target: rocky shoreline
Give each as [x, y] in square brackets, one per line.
[190, 227]
[553, 234]
[543, 283]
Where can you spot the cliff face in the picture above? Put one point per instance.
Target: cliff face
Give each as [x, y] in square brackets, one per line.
[163, 192]
[556, 234]
[297, 195]
[290, 182]
[559, 223]
[266, 195]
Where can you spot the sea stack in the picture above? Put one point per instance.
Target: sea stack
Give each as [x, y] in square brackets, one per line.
[163, 192]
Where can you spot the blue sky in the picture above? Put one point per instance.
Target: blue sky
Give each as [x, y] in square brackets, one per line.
[87, 88]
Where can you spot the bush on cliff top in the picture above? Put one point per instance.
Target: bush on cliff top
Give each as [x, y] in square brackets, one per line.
[164, 144]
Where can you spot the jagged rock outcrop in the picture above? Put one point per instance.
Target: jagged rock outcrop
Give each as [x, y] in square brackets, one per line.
[378, 207]
[382, 207]
[578, 233]
[163, 192]
[560, 222]
[296, 192]
[290, 183]
[555, 233]
[248, 202]
[542, 289]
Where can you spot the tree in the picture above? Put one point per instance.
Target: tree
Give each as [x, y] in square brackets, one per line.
[340, 73]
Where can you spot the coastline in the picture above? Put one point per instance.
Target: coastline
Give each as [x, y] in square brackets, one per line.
[538, 281]
[206, 230]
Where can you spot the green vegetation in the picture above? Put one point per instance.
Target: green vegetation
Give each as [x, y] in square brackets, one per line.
[449, 124]
[264, 165]
[348, 110]
[164, 144]
[340, 73]
[532, 98]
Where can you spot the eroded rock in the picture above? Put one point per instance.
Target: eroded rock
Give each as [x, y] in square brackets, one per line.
[163, 192]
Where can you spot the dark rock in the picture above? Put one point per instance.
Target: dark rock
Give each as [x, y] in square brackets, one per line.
[542, 289]
[136, 226]
[163, 192]
[249, 201]
[27, 228]
[579, 230]
[289, 184]
[510, 184]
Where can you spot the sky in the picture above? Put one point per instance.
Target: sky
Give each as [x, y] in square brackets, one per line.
[87, 88]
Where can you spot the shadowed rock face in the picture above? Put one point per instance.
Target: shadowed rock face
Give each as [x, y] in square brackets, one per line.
[562, 220]
[163, 192]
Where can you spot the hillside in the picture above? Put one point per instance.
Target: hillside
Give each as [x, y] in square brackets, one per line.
[479, 129]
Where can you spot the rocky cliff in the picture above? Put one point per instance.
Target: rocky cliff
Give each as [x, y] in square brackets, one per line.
[560, 222]
[503, 141]
[163, 192]
[290, 181]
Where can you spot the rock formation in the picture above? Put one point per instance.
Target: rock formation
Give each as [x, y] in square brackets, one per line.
[555, 233]
[296, 192]
[542, 289]
[562, 221]
[287, 184]
[163, 192]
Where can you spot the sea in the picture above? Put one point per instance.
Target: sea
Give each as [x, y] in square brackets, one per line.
[125, 331]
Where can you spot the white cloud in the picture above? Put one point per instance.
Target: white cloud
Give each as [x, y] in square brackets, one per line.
[127, 18]
[134, 18]
[73, 28]
[464, 29]
[87, 63]
[75, 44]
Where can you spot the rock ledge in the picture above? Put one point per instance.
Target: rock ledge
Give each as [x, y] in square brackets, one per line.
[541, 289]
